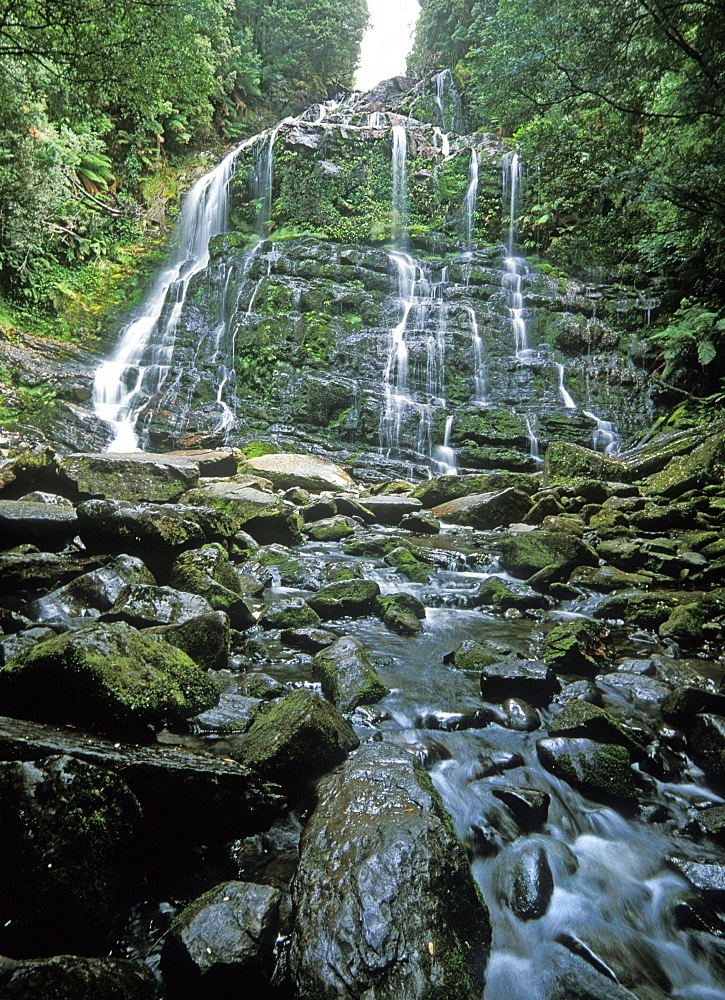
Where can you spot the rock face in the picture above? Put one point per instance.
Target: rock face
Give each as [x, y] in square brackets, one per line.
[76, 978]
[302, 471]
[385, 906]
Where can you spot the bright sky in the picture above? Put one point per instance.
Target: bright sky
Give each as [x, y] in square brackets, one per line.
[387, 42]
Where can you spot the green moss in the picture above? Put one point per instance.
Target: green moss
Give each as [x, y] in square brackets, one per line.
[575, 646]
[257, 449]
[406, 564]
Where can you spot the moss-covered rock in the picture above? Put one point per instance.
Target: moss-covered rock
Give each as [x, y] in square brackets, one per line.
[580, 718]
[261, 514]
[600, 770]
[295, 740]
[107, 678]
[504, 594]
[407, 565]
[472, 655]
[486, 510]
[636, 608]
[524, 553]
[575, 647]
[353, 598]
[684, 623]
[294, 613]
[208, 572]
[68, 977]
[401, 613]
[606, 578]
[143, 605]
[443, 489]
[565, 462]
[705, 464]
[347, 676]
[331, 529]
[205, 639]
[138, 477]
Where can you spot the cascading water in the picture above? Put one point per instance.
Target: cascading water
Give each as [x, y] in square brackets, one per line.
[471, 195]
[514, 268]
[440, 90]
[604, 437]
[479, 368]
[568, 401]
[142, 362]
[399, 206]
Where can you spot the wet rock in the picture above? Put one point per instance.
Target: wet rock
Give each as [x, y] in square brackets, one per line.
[46, 525]
[407, 565]
[709, 822]
[11, 645]
[578, 718]
[391, 509]
[373, 546]
[221, 944]
[318, 510]
[703, 465]
[606, 578]
[347, 676]
[686, 702]
[421, 524]
[636, 608]
[519, 715]
[383, 896]
[486, 510]
[75, 978]
[140, 476]
[566, 461]
[532, 884]
[706, 745]
[96, 590]
[584, 690]
[295, 740]
[524, 553]
[531, 680]
[294, 613]
[443, 489]
[530, 807]
[229, 800]
[331, 529]
[647, 691]
[205, 639]
[684, 624]
[309, 640]
[350, 598]
[472, 655]
[706, 876]
[285, 470]
[401, 613]
[545, 506]
[208, 573]
[481, 841]
[259, 513]
[503, 594]
[349, 507]
[496, 763]
[143, 605]
[596, 769]
[38, 496]
[107, 677]
[67, 832]
[575, 647]
[156, 533]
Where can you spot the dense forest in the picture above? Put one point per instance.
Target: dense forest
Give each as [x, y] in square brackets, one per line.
[617, 109]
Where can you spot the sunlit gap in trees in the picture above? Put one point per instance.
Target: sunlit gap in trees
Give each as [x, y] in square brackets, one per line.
[387, 42]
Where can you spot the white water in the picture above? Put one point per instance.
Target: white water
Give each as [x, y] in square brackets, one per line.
[141, 364]
[470, 202]
[399, 206]
[604, 437]
[479, 368]
[568, 401]
[444, 456]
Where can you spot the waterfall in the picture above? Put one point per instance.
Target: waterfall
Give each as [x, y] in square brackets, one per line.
[568, 401]
[533, 441]
[445, 143]
[399, 207]
[141, 364]
[264, 179]
[470, 203]
[444, 457]
[512, 283]
[511, 178]
[479, 369]
[604, 437]
[440, 85]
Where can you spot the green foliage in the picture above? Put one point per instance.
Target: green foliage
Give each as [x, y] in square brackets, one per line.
[695, 336]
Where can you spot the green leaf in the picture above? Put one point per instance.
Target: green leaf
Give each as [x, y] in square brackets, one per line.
[706, 352]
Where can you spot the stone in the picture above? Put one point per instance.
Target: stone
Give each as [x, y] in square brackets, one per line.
[259, 513]
[421, 524]
[602, 771]
[218, 462]
[707, 877]
[529, 806]
[67, 832]
[74, 978]
[401, 613]
[107, 677]
[636, 608]
[221, 944]
[286, 470]
[682, 704]
[294, 613]
[391, 509]
[331, 529]
[229, 800]
[94, 591]
[349, 507]
[525, 553]
[531, 680]
[580, 718]
[648, 691]
[575, 647]
[309, 640]
[384, 897]
[565, 461]
[295, 740]
[606, 578]
[349, 598]
[706, 746]
[138, 476]
[504, 594]
[517, 714]
[407, 565]
[486, 510]
[205, 639]
[46, 525]
[347, 676]
[705, 464]
[531, 883]
[208, 573]
[143, 605]
[443, 489]
[318, 510]
[684, 624]
[26, 575]
[472, 655]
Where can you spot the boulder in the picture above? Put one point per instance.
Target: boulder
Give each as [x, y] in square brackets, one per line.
[636, 608]
[139, 476]
[528, 806]
[295, 740]
[208, 573]
[472, 655]
[108, 677]
[503, 594]
[221, 944]
[421, 524]
[524, 553]
[285, 470]
[67, 833]
[701, 466]
[229, 800]
[26, 575]
[634, 688]
[531, 884]
[349, 598]
[143, 605]
[485, 510]
[517, 714]
[205, 639]
[407, 564]
[580, 718]
[309, 640]
[49, 526]
[565, 461]
[74, 978]
[531, 680]
[330, 529]
[219, 462]
[347, 676]
[94, 591]
[401, 613]
[602, 771]
[606, 578]
[706, 745]
[575, 647]
[385, 904]
[294, 613]
[261, 514]
[443, 489]
[391, 509]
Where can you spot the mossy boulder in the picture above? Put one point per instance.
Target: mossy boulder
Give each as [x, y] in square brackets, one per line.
[72, 978]
[524, 553]
[704, 465]
[421, 524]
[143, 605]
[565, 462]
[208, 572]
[503, 594]
[636, 608]
[401, 613]
[330, 529]
[259, 513]
[139, 476]
[684, 623]
[580, 718]
[352, 598]
[575, 647]
[206, 639]
[446, 488]
[606, 578]
[294, 613]
[472, 655]
[532, 680]
[486, 510]
[285, 470]
[407, 565]
[601, 770]
[107, 678]
[295, 740]
[347, 676]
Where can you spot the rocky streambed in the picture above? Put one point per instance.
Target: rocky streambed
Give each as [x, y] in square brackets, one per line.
[267, 731]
